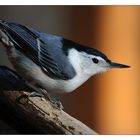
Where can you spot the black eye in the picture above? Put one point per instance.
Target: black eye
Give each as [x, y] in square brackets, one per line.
[95, 60]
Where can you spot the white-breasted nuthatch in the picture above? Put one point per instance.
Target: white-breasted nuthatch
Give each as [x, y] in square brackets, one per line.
[51, 62]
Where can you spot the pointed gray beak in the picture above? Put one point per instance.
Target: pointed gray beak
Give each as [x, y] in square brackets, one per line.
[117, 65]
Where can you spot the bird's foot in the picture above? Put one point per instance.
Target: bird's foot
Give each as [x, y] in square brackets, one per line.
[57, 104]
[54, 102]
[35, 94]
[26, 96]
[44, 95]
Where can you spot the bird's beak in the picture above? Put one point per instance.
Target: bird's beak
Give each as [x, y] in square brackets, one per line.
[117, 65]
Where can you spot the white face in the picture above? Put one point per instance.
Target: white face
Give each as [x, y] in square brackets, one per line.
[87, 65]
[93, 64]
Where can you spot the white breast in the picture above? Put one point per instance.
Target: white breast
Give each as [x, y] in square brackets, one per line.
[33, 74]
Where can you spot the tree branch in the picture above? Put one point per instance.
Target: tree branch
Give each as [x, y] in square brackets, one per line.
[37, 112]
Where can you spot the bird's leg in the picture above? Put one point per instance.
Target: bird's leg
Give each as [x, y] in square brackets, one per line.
[57, 104]
[40, 92]
[44, 94]
[34, 94]
[54, 102]
[27, 95]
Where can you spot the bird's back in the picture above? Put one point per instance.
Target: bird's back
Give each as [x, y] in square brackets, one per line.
[43, 49]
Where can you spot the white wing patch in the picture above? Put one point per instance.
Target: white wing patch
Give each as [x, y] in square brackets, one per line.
[39, 49]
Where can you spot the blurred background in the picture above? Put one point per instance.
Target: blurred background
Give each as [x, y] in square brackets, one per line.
[109, 103]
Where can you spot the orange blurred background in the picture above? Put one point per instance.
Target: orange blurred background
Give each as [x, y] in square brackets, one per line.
[109, 103]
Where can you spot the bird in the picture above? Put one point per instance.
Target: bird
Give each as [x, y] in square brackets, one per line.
[50, 63]
[10, 80]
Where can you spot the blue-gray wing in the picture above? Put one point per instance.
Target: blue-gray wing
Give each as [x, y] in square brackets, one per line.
[43, 49]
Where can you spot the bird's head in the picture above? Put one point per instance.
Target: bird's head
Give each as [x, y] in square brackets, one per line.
[93, 61]
[101, 64]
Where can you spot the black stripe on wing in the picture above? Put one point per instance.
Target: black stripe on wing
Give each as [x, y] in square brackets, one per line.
[41, 54]
[50, 64]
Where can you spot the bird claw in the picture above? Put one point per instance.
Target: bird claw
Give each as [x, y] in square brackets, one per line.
[26, 96]
[54, 103]
[57, 104]
[34, 94]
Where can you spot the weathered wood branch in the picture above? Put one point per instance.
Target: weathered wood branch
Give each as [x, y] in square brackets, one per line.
[40, 113]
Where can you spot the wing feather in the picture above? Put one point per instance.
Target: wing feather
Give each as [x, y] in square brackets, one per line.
[45, 50]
